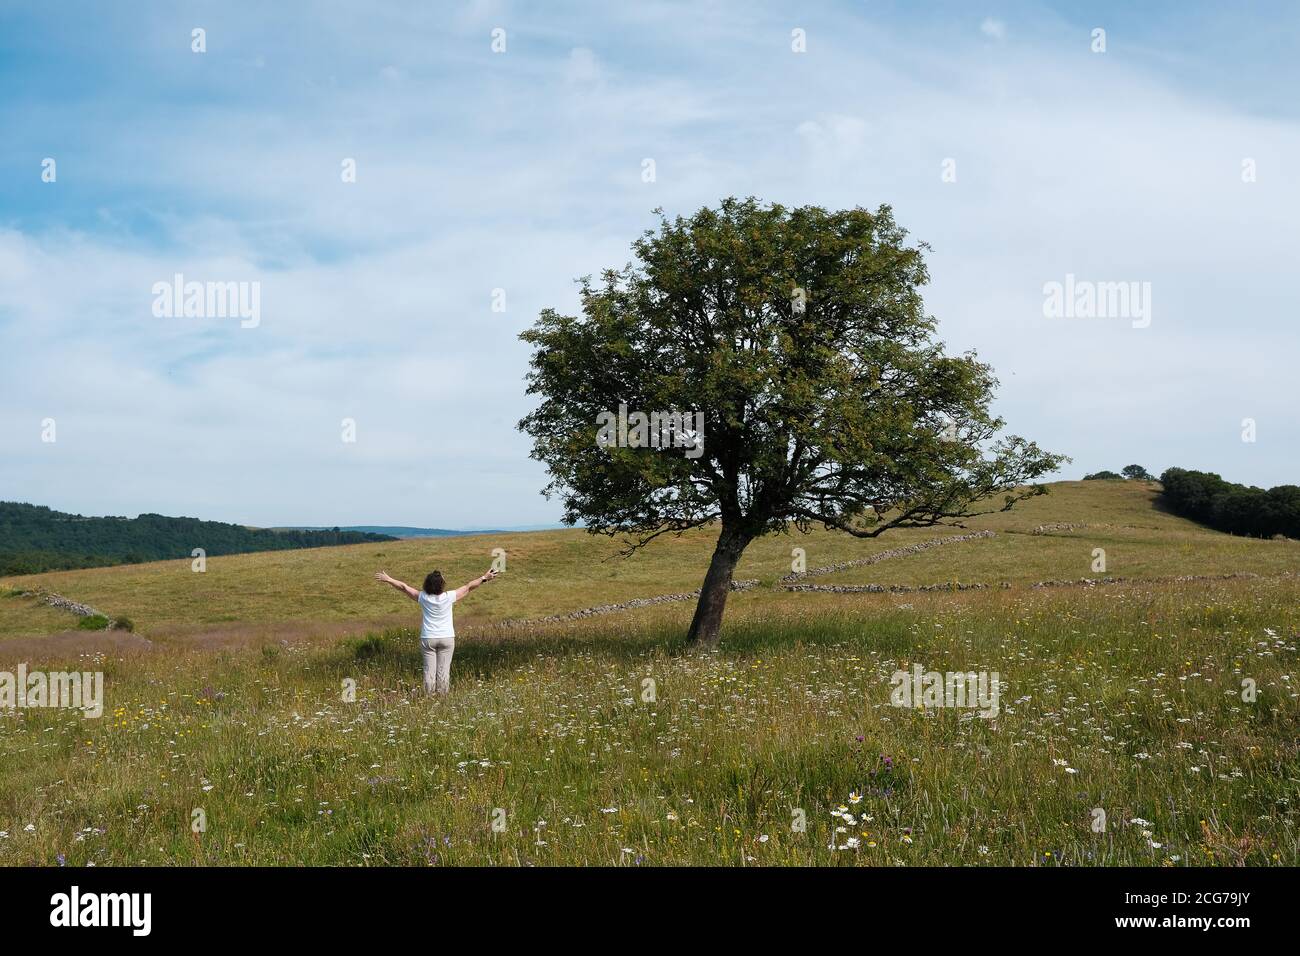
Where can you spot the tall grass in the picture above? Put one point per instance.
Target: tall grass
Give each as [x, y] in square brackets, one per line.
[1127, 701]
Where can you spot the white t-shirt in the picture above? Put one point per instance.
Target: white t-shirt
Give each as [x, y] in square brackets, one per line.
[436, 614]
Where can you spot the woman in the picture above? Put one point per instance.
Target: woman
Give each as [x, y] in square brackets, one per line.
[437, 635]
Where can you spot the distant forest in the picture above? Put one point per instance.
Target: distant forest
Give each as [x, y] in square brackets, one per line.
[1226, 506]
[34, 538]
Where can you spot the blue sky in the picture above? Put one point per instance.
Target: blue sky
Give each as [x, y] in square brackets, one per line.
[522, 170]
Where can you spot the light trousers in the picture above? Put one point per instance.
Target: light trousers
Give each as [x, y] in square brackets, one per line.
[437, 653]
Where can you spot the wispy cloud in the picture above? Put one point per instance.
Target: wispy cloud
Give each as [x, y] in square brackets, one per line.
[478, 171]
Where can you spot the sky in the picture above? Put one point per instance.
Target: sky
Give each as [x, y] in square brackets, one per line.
[488, 180]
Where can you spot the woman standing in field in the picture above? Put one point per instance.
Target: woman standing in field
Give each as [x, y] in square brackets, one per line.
[437, 635]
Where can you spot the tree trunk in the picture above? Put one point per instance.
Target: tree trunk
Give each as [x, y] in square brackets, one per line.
[707, 623]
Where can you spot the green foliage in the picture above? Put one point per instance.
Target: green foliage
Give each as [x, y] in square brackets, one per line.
[801, 335]
[92, 622]
[1236, 509]
[1129, 473]
[369, 647]
[34, 539]
[123, 624]
[796, 344]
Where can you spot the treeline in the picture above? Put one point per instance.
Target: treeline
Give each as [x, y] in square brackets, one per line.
[34, 538]
[1236, 509]
[1130, 473]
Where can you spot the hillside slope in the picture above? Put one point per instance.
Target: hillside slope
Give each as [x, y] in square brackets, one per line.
[35, 538]
[557, 571]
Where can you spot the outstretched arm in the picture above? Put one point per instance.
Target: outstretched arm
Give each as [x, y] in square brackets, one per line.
[477, 582]
[406, 589]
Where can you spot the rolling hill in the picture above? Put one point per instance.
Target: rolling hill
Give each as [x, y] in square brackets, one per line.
[279, 692]
[34, 538]
[553, 572]
[395, 531]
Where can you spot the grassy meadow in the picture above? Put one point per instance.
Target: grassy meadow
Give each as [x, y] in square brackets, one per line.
[1122, 737]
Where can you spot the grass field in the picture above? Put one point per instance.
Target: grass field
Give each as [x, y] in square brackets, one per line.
[604, 741]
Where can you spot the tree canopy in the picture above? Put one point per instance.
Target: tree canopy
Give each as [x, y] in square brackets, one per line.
[34, 538]
[1227, 506]
[801, 337]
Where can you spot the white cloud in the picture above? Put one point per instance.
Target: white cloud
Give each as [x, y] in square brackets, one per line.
[521, 171]
[583, 67]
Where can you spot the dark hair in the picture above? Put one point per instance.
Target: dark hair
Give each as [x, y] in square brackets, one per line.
[434, 584]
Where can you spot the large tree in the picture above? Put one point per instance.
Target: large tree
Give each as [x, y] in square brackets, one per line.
[801, 337]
